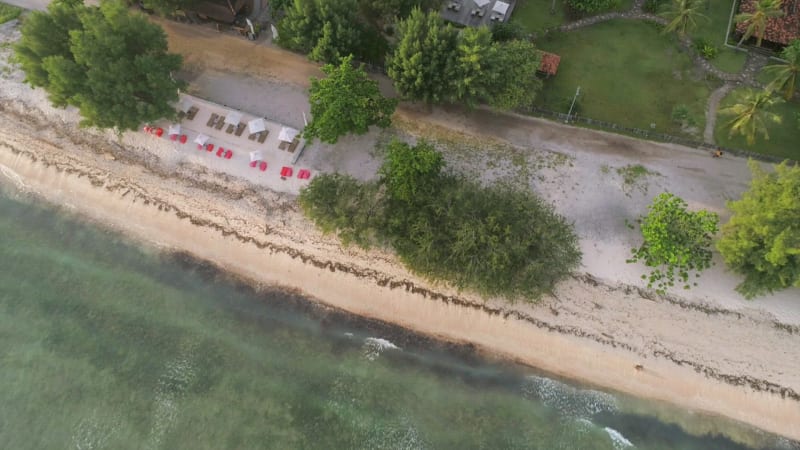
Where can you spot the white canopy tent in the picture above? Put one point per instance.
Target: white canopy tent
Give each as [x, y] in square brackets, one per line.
[256, 125]
[501, 7]
[481, 3]
[256, 156]
[287, 134]
[233, 118]
[174, 129]
[201, 139]
[185, 104]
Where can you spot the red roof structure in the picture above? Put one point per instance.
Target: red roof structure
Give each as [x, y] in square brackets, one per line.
[549, 64]
[780, 30]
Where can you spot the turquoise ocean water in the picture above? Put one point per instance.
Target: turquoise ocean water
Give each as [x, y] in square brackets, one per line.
[107, 344]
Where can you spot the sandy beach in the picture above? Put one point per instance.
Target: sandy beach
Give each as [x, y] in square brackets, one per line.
[710, 352]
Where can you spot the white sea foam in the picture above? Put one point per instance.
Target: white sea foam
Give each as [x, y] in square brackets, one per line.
[619, 441]
[568, 400]
[172, 385]
[94, 432]
[14, 177]
[373, 347]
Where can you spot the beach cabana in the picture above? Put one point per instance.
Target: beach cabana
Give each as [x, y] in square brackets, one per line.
[256, 126]
[256, 156]
[174, 130]
[481, 3]
[233, 118]
[287, 134]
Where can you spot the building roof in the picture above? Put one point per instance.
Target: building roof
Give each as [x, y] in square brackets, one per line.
[549, 63]
[780, 30]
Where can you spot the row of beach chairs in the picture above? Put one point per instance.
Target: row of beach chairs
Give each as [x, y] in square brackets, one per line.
[286, 171]
[188, 115]
[217, 122]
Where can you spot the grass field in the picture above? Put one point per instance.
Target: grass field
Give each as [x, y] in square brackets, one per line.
[8, 12]
[629, 74]
[783, 138]
[714, 29]
[535, 15]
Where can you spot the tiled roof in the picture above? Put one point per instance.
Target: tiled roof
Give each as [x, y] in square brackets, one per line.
[549, 64]
[780, 30]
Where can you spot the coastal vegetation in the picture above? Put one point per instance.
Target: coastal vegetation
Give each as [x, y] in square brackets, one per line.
[9, 12]
[676, 242]
[346, 101]
[110, 63]
[436, 63]
[761, 241]
[495, 240]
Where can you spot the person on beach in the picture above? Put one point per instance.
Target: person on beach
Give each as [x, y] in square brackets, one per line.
[717, 153]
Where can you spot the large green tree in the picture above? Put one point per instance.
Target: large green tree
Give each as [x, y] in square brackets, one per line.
[756, 21]
[751, 113]
[514, 73]
[411, 173]
[762, 239]
[422, 65]
[111, 64]
[682, 16]
[784, 75]
[676, 241]
[168, 6]
[327, 30]
[346, 101]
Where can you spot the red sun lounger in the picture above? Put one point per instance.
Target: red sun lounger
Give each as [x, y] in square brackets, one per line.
[147, 128]
[229, 154]
[286, 171]
[183, 139]
[159, 131]
[173, 137]
[304, 174]
[220, 151]
[253, 163]
[210, 147]
[263, 166]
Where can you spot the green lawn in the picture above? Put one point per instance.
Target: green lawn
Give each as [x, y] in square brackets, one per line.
[629, 74]
[534, 15]
[8, 12]
[729, 60]
[713, 30]
[784, 138]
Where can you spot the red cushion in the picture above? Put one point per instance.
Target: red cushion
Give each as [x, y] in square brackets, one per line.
[159, 132]
[210, 147]
[228, 154]
[183, 139]
[286, 171]
[220, 151]
[263, 166]
[253, 163]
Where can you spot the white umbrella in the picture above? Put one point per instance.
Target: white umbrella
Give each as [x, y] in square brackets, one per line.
[500, 7]
[256, 156]
[174, 129]
[256, 125]
[233, 118]
[287, 134]
[481, 3]
[201, 139]
[185, 104]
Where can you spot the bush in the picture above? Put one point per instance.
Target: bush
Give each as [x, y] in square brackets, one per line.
[652, 6]
[592, 6]
[496, 240]
[706, 49]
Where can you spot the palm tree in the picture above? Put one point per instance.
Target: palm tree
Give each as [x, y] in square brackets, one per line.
[751, 114]
[784, 76]
[682, 16]
[757, 20]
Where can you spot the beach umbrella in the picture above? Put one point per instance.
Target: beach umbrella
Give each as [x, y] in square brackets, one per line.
[185, 104]
[287, 134]
[481, 3]
[256, 125]
[174, 130]
[233, 118]
[201, 139]
[500, 7]
[256, 156]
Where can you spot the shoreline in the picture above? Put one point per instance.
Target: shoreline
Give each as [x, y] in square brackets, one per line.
[240, 229]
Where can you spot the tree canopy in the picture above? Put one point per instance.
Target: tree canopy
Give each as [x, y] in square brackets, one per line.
[762, 239]
[784, 75]
[435, 63]
[328, 30]
[495, 240]
[676, 241]
[111, 64]
[346, 101]
[751, 112]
